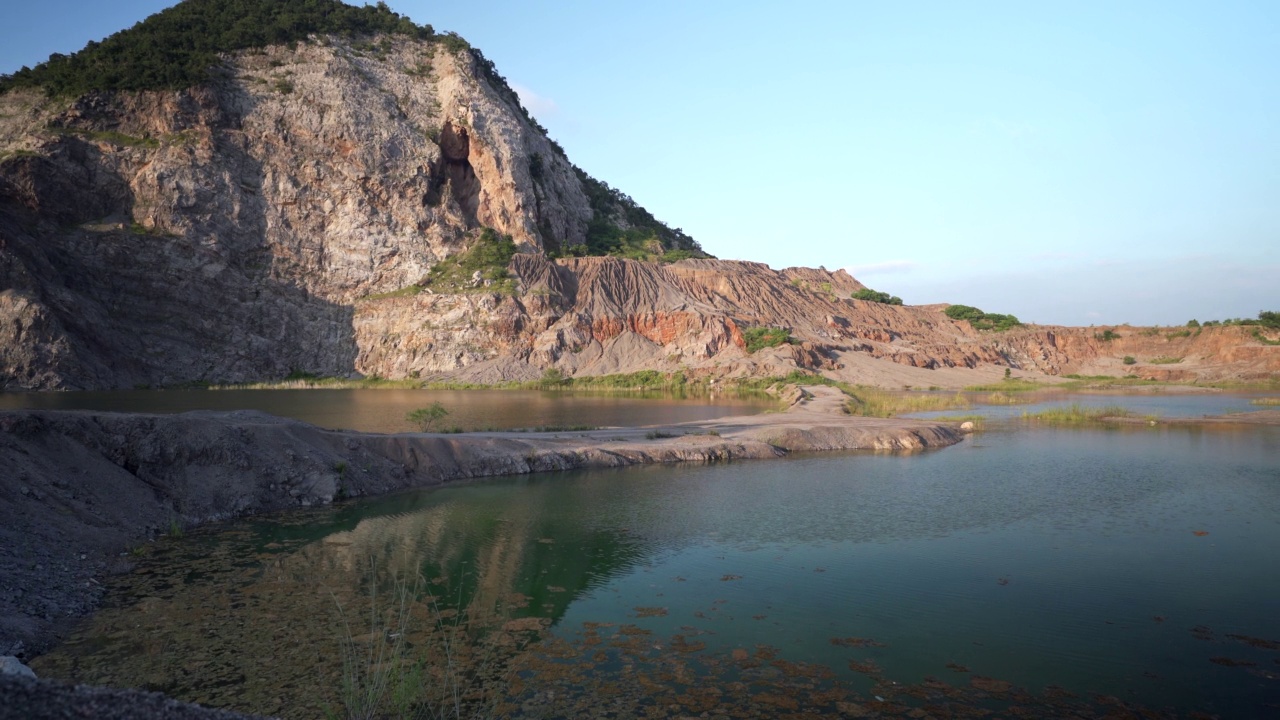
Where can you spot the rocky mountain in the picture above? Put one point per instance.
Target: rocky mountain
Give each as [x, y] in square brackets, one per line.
[365, 196]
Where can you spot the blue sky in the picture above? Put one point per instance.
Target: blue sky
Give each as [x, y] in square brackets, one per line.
[1074, 163]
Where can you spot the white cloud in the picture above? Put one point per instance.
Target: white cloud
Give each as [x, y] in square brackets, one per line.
[890, 267]
[537, 105]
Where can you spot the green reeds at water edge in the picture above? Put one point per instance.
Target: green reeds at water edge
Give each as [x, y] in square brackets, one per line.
[417, 659]
[872, 402]
[1265, 401]
[1081, 415]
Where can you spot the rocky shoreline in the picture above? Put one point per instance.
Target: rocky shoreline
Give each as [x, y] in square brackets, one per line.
[80, 489]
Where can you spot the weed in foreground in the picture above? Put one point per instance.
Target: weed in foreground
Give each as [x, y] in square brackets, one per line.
[416, 659]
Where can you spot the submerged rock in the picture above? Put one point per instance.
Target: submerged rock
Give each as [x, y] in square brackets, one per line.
[10, 665]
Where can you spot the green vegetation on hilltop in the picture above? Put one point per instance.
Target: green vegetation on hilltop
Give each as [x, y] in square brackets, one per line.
[982, 320]
[1266, 320]
[622, 228]
[877, 296]
[176, 48]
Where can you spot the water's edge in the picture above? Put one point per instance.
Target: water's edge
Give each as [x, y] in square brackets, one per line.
[80, 487]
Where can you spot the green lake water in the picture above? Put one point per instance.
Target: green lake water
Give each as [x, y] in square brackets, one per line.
[1055, 571]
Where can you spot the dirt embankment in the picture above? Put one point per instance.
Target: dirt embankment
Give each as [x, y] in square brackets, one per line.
[78, 489]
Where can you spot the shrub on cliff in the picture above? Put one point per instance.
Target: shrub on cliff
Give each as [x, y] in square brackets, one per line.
[877, 297]
[981, 320]
[759, 338]
[483, 266]
[619, 226]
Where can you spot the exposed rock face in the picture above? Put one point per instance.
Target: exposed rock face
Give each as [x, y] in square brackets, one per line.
[224, 231]
[253, 226]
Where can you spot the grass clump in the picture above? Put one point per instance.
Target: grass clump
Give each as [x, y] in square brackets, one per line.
[1075, 414]
[659, 434]
[481, 267]
[759, 338]
[1165, 360]
[1265, 401]
[979, 421]
[874, 402]
[980, 320]
[1105, 381]
[407, 291]
[1007, 385]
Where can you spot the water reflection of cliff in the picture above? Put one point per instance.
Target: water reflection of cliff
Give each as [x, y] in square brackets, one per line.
[482, 549]
[253, 618]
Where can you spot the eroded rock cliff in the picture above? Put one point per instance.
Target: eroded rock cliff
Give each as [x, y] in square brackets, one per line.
[286, 214]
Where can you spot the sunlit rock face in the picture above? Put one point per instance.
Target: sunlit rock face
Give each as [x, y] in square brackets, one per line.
[284, 216]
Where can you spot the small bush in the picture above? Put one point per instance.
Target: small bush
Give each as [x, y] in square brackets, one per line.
[1130, 360]
[489, 256]
[759, 338]
[426, 417]
[877, 297]
[1106, 335]
[982, 320]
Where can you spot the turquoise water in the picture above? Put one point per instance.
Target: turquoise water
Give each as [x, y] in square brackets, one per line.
[384, 410]
[1137, 564]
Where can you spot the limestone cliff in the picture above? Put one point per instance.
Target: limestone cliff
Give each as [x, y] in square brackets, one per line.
[285, 215]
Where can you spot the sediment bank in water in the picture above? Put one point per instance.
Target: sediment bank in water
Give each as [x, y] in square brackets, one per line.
[78, 489]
